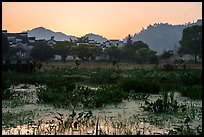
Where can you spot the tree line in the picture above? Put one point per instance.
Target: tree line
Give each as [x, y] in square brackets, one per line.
[138, 51]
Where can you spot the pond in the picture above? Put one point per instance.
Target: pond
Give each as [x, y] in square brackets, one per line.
[126, 117]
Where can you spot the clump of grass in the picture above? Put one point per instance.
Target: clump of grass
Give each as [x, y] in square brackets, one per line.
[164, 104]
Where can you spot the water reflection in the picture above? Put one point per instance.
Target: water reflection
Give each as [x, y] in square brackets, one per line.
[110, 128]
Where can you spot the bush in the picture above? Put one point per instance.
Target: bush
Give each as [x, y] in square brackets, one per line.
[81, 95]
[6, 83]
[58, 91]
[7, 94]
[193, 77]
[139, 85]
[104, 76]
[98, 98]
[165, 104]
[194, 92]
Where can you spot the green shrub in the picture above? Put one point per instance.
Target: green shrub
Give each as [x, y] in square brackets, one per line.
[104, 76]
[194, 92]
[81, 95]
[98, 98]
[164, 104]
[6, 83]
[139, 85]
[58, 92]
[193, 77]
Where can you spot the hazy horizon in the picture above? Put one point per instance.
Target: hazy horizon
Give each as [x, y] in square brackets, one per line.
[112, 20]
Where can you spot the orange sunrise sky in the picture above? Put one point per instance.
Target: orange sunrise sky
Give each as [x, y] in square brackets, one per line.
[113, 20]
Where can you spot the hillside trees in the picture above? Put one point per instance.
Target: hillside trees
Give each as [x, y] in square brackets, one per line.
[191, 42]
[129, 40]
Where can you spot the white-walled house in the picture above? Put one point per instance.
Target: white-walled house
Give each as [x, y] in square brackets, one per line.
[51, 41]
[31, 39]
[102, 57]
[188, 57]
[117, 43]
[20, 40]
[72, 58]
[82, 43]
[57, 58]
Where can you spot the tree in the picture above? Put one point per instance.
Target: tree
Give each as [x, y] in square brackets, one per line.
[114, 52]
[144, 55]
[83, 39]
[138, 45]
[129, 40]
[94, 51]
[63, 48]
[191, 42]
[87, 51]
[167, 54]
[153, 58]
[5, 45]
[129, 50]
[16, 52]
[42, 52]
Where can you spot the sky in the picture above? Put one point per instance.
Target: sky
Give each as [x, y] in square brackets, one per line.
[113, 20]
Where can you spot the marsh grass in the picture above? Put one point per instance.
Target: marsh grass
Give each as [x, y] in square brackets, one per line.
[62, 84]
[83, 123]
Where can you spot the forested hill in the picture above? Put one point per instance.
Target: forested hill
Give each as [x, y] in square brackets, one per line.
[163, 36]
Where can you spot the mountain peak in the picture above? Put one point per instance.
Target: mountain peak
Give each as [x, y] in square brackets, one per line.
[43, 33]
[96, 37]
[40, 28]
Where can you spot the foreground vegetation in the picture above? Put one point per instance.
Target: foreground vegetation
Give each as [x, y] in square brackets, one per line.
[73, 87]
[65, 87]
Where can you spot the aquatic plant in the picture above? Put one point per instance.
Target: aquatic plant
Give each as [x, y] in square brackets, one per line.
[164, 104]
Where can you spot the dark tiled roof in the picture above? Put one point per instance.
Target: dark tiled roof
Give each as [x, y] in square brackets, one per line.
[114, 40]
[17, 35]
[31, 38]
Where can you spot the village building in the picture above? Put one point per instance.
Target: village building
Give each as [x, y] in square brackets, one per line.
[20, 41]
[117, 43]
[51, 41]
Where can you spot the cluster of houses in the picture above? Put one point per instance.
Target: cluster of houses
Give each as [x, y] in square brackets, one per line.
[106, 44]
[23, 41]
